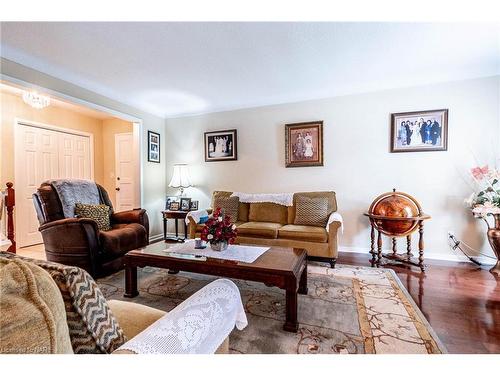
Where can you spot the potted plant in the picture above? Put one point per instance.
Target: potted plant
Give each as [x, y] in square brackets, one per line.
[219, 231]
[485, 202]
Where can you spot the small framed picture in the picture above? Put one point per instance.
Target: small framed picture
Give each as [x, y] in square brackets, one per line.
[174, 206]
[169, 200]
[419, 131]
[193, 206]
[221, 145]
[185, 204]
[153, 147]
[304, 144]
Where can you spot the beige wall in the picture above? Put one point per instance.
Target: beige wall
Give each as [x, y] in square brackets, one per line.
[110, 127]
[12, 107]
[358, 164]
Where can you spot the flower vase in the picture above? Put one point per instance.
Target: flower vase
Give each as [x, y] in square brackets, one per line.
[219, 246]
[494, 238]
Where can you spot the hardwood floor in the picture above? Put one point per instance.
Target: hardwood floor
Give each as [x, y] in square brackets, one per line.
[460, 301]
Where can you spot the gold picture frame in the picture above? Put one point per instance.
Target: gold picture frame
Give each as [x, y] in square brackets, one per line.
[304, 144]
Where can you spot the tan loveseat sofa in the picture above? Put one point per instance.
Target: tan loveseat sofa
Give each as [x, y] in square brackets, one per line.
[276, 225]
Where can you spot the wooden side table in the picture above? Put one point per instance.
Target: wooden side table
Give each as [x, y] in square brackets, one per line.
[176, 215]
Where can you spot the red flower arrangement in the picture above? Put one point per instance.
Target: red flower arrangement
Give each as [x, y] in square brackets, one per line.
[219, 228]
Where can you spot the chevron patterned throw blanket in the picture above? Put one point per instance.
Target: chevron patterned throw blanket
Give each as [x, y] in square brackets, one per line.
[92, 327]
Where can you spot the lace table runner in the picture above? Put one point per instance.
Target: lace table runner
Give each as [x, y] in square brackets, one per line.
[240, 253]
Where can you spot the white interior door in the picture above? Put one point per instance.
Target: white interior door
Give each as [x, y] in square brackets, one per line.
[43, 154]
[124, 172]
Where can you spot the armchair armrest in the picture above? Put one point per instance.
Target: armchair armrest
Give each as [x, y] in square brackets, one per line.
[199, 325]
[137, 215]
[72, 239]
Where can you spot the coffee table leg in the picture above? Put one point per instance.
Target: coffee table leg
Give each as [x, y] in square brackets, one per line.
[303, 281]
[131, 282]
[291, 324]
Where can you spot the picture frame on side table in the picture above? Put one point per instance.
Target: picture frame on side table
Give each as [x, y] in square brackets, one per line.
[185, 204]
[419, 131]
[153, 147]
[193, 205]
[304, 144]
[221, 145]
[174, 206]
[169, 200]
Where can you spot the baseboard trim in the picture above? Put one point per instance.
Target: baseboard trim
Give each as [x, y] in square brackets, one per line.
[156, 237]
[449, 257]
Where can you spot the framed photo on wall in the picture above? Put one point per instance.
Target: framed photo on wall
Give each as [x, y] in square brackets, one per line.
[304, 144]
[221, 145]
[153, 147]
[419, 131]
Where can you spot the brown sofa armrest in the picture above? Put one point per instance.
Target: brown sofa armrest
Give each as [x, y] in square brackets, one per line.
[72, 238]
[137, 215]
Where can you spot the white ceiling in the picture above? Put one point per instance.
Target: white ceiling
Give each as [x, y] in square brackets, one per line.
[175, 69]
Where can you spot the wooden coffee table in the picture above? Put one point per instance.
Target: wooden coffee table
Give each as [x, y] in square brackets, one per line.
[283, 267]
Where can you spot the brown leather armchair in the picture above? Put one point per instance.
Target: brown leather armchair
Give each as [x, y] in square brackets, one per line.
[79, 242]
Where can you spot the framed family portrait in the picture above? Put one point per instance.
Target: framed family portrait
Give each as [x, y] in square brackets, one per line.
[174, 206]
[153, 147]
[221, 145]
[419, 131]
[304, 144]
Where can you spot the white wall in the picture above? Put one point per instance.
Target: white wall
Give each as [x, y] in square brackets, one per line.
[358, 164]
[153, 173]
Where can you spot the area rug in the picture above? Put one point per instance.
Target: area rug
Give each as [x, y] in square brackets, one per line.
[347, 310]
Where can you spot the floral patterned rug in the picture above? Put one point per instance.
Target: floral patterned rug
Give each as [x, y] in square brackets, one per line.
[347, 310]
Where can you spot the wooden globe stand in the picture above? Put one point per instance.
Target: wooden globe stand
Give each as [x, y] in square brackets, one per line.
[396, 215]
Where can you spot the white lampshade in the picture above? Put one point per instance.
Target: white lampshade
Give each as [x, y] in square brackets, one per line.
[180, 178]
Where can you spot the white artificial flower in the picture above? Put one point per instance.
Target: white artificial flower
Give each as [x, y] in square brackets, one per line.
[210, 236]
[233, 227]
[219, 218]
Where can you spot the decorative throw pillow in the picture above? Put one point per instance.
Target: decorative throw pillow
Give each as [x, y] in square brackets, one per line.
[311, 211]
[32, 318]
[92, 326]
[97, 212]
[229, 205]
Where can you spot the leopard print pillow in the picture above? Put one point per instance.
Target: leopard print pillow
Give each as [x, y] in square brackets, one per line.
[97, 212]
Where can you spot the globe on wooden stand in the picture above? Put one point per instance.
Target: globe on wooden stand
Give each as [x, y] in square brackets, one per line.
[396, 214]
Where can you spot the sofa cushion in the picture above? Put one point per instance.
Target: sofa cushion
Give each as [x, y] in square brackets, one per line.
[259, 229]
[311, 211]
[122, 238]
[32, 318]
[303, 233]
[229, 204]
[268, 212]
[92, 326]
[330, 195]
[97, 212]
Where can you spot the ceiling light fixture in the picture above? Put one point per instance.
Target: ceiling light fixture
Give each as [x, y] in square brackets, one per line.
[35, 99]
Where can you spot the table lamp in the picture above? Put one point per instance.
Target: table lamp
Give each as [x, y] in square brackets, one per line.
[180, 178]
